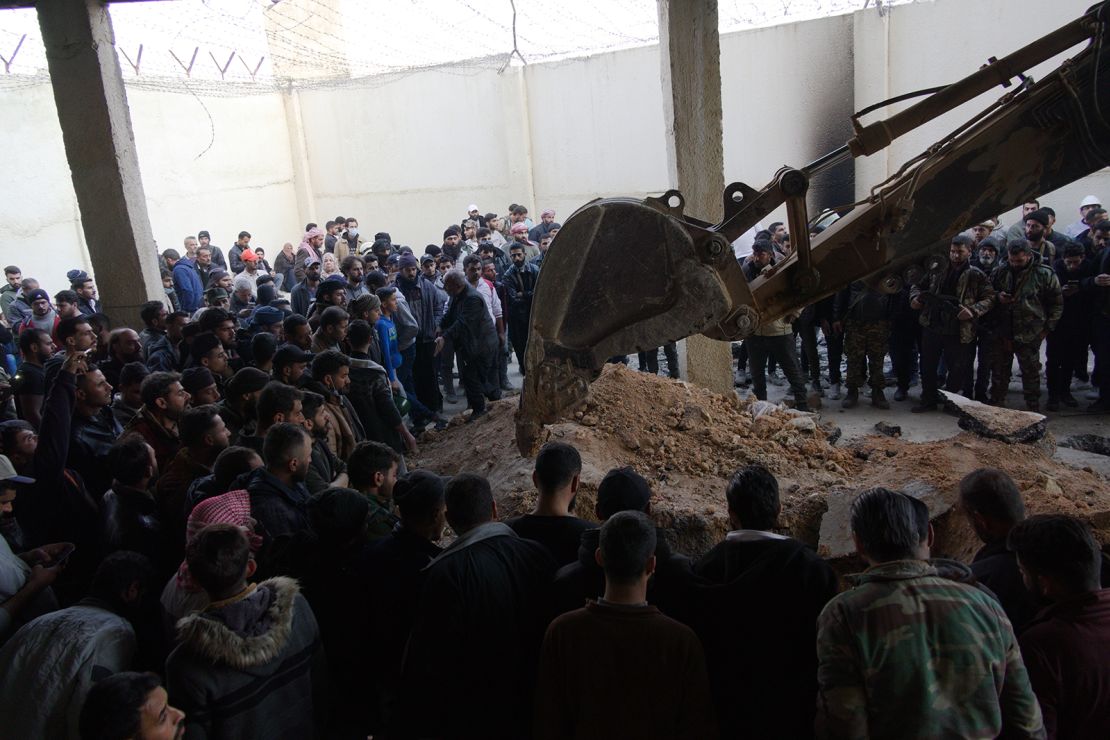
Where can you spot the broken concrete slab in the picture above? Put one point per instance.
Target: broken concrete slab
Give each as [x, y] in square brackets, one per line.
[1009, 425]
[953, 536]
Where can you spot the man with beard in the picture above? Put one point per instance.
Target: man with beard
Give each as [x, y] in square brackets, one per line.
[238, 407]
[41, 316]
[1030, 303]
[87, 300]
[1038, 229]
[278, 495]
[203, 437]
[29, 382]
[235, 254]
[164, 401]
[94, 431]
[124, 346]
[205, 240]
[289, 364]
[354, 268]
[326, 470]
[427, 304]
[949, 302]
[520, 285]
[452, 243]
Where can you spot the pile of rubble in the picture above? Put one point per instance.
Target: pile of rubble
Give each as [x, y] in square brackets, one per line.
[687, 441]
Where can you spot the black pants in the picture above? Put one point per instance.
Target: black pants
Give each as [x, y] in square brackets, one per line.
[783, 349]
[905, 339]
[649, 360]
[424, 375]
[1065, 348]
[956, 356]
[473, 378]
[518, 337]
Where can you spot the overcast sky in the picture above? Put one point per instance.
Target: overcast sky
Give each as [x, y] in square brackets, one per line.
[379, 36]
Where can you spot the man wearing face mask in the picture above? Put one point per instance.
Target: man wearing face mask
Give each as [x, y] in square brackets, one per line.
[1030, 303]
[354, 239]
[949, 302]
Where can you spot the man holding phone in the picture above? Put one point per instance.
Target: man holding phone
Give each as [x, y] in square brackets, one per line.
[25, 579]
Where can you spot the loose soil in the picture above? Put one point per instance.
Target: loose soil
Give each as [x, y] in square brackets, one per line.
[687, 441]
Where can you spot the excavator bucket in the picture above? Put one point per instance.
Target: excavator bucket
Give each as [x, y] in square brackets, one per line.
[621, 276]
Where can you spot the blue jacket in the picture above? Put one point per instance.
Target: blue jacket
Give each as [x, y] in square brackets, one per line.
[187, 285]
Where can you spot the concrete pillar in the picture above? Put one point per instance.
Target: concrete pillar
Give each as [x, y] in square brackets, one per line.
[691, 59]
[100, 147]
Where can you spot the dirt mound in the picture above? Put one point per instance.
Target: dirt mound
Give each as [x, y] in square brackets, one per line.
[687, 441]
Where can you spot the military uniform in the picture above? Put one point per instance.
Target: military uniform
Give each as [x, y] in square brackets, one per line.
[910, 654]
[866, 314]
[944, 295]
[1020, 327]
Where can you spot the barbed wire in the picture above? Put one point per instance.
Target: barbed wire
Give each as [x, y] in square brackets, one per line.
[294, 44]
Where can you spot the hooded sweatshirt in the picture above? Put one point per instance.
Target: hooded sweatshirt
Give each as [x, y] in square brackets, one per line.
[250, 666]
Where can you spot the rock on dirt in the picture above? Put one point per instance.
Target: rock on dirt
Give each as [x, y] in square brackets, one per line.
[687, 442]
[1008, 425]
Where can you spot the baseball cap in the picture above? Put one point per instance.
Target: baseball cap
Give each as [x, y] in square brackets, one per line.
[425, 259]
[249, 255]
[215, 294]
[1091, 200]
[8, 474]
[311, 260]
[471, 208]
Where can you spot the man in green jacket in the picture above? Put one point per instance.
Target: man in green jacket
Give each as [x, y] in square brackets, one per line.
[1030, 303]
[908, 653]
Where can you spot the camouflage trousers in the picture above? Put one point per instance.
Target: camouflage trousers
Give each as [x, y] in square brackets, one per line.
[865, 345]
[1028, 354]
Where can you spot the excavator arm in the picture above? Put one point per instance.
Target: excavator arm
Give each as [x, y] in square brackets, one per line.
[625, 275]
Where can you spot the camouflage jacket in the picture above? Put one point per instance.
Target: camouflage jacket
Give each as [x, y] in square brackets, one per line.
[973, 291]
[910, 654]
[1038, 302]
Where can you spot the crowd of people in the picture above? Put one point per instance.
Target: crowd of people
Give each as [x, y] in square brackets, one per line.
[1001, 293]
[209, 528]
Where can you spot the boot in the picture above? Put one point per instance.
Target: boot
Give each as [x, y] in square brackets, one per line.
[834, 391]
[878, 399]
[901, 394]
[816, 386]
[851, 400]
[1033, 406]
[1053, 404]
[923, 406]
[1069, 400]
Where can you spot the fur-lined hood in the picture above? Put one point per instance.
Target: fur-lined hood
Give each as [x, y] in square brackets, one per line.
[250, 632]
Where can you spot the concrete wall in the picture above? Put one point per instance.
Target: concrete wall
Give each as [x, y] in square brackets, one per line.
[404, 157]
[407, 153]
[223, 174]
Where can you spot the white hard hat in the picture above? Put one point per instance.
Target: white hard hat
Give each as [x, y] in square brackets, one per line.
[1090, 200]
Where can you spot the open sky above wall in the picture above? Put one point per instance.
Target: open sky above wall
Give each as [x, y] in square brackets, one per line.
[261, 41]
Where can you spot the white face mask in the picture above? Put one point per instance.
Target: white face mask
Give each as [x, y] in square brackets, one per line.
[353, 231]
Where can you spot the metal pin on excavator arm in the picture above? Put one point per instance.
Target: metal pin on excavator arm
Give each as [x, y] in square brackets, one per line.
[626, 275]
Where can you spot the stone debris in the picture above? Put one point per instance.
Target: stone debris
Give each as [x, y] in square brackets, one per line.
[1009, 425]
[1088, 443]
[887, 429]
[687, 442]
